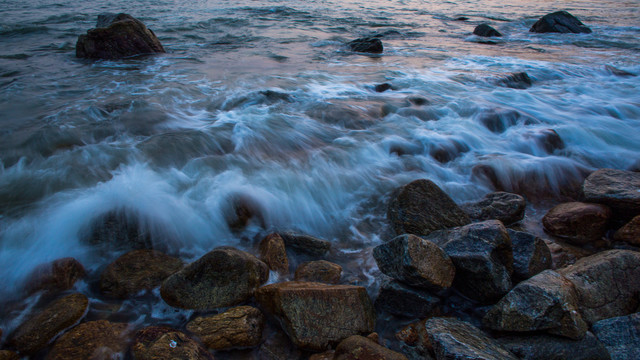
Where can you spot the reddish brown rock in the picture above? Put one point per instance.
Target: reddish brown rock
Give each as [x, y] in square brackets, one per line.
[42, 327]
[315, 315]
[327, 355]
[579, 223]
[137, 271]
[319, 271]
[274, 254]
[361, 348]
[630, 232]
[92, 340]
[58, 275]
[8, 355]
[160, 342]
[238, 327]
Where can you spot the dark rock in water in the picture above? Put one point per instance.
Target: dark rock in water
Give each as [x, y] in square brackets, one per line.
[274, 254]
[454, 339]
[486, 31]
[242, 209]
[316, 315]
[222, 277]
[503, 206]
[630, 232]
[382, 87]
[59, 275]
[547, 139]
[547, 347]
[482, 256]
[620, 335]
[416, 262]
[117, 36]
[447, 151]
[579, 223]
[462, 18]
[418, 100]
[161, 342]
[499, 120]
[545, 302]
[238, 327]
[618, 72]
[559, 22]
[119, 228]
[531, 255]
[616, 188]
[402, 300]
[359, 347]
[607, 284]
[306, 244]
[366, 45]
[421, 207]
[41, 328]
[319, 271]
[278, 346]
[137, 271]
[99, 339]
[519, 80]
[8, 355]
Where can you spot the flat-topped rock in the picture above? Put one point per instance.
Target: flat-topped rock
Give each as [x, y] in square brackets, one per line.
[306, 244]
[503, 206]
[237, 327]
[549, 347]
[619, 189]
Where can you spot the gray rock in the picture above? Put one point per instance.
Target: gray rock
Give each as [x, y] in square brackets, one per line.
[559, 22]
[621, 336]
[547, 347]
[405, 301]
[503, 206]
[531, 255]
[617, 189]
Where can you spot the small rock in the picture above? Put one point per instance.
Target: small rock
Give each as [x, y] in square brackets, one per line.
[99, 339]
[360, 348]
[462, 18]
[117, 36]
[274, 253]
[401, 300]
[630, 232]
[499, 120]
[617, 189]
[316, 315]
[59, 275]
[241, 210]
[366, 45]
[547, 347]
[160, 342]
[519, 80]
[235, 328]
[486, 31]
[620, 335]
[222, 277]
[547, 139]
[421, 207]
[319, 271]
[530, 255]
[547, 301]
[559, 22]
[136, 271]
[416, 262]
[607, 283]
[382, 87]
[8, 355]
[503, 206]
[563, 254]
[306, 244]
[579, 223]
[618, 72]
[41, 328]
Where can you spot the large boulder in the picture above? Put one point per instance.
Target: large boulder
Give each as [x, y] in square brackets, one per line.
[99, 339]
[316, 315]
[577, 222]
[161, 342]
[319, 271]
[366, 45]
[59, 275]
[546, 302]
[137, 271]
[421, 207]
[405, 301]
[482, 256]
[621, 336]
[616, 188]
[630, 232]
[503, 206]
[416, 262]
[117, 36]
[548, 347]
[358, 347]
[531, 255]
[274, 253]
[486, 30]
[223, 277]
[238, 327]
[559, 22]
[42, 327]
[607, 284]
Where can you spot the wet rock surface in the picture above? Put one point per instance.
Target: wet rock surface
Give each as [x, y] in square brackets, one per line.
[559, 22]
[316, 315]
[59, 275]
[405, 301]
[620, 335]
[577, 222]
[222, 277]
[99, 339]
[630, 232]
[361, 348]
[238, 327]
[274, 254]
[117, 36]
[503, 206]
[319, 271]
[370, 44]
[617, 189]
[519, 80]
[306, 244]
[548, 347]
[120, 229]
[160, 342]
[531, 255]
[486, 30]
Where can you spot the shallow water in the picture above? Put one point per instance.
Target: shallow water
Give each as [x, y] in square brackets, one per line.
[260, 100]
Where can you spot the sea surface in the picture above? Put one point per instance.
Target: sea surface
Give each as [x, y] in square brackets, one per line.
[261, 102]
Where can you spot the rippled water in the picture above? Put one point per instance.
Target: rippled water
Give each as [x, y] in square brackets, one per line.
[260, 100]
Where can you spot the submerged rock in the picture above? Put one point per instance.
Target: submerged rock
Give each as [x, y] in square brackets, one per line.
[519, 80]
[486, 31]
[274, 254]
[316, 315]
[421, 207]
[119, 228]
[366, 45]
[235, 328]
[617, 189]
[499, 120]
[559, 22]
[99, 339]
[630, 232]
[579, 223]
[547, 347]
[59, 275]
[137, 271]
[382, 87]
[358, 347]
[160, 342]
[319, 271]
[405, 301]
[620, 335]
[531, 255]
[222, 277]
[506, 207]
[117, 36]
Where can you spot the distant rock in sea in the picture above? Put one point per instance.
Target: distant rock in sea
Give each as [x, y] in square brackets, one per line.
[485, 30]
[366, 45]
[560, 22]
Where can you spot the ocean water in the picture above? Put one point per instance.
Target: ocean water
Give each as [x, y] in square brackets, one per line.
[261, 101]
